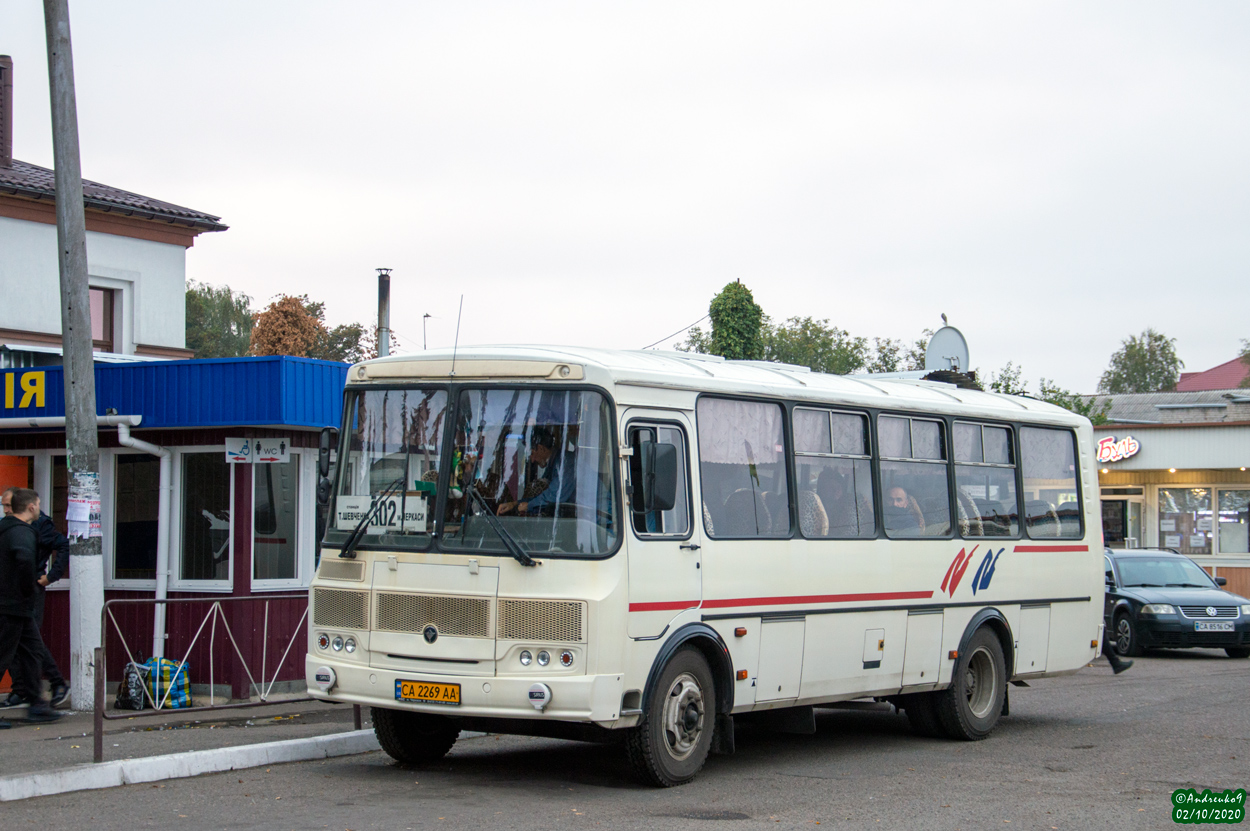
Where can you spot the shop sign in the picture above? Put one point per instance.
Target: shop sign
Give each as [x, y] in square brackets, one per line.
[1110, 450]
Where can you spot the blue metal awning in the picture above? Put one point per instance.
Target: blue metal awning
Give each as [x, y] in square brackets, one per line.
[278, 390]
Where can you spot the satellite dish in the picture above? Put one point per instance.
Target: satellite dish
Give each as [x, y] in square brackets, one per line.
[947, 351]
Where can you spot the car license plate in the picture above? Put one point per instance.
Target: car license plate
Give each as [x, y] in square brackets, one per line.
[428, 692]
[1213, 626]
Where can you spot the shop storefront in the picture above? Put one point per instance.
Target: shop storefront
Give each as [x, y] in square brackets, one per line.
[1172, 474]
[232, 526]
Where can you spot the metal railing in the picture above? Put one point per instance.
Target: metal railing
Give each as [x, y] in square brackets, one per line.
[214, 617]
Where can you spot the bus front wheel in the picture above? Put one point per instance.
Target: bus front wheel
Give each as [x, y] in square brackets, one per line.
[671, 742]
[970, 707]
[413, 738]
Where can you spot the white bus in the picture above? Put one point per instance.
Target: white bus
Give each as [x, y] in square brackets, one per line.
[642, 546]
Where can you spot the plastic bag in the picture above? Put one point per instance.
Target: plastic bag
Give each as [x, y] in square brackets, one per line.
[164, 674]
[131, 691]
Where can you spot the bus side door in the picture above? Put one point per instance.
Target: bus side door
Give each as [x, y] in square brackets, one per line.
[665, 564]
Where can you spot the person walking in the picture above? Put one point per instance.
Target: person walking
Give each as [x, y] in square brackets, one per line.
[19, 637]
[52, 560]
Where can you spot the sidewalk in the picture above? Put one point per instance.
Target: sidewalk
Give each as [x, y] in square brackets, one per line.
[31, 748]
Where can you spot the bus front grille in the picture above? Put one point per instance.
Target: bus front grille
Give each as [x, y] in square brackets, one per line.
[343, 570]
[540, 620]
[342, 609]
[464, 617]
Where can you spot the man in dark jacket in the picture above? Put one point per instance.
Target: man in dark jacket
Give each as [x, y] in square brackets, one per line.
[19, 637]
[51, 544]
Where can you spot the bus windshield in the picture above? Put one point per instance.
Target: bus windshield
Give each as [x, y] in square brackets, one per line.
[542, 462]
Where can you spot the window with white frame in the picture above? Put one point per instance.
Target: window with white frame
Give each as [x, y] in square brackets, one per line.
[204, 496]
[276, 520]
[136, 494]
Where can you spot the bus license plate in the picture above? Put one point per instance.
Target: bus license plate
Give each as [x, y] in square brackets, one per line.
[428, 692]
[1213, 626]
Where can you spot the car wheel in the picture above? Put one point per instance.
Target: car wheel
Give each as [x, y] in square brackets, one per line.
[671, 743]
[970, 708]
[413, 738]
[921, 710]
[1126, 641]
[1238, 651]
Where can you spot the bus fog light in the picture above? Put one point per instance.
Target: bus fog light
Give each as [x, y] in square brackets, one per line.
[566, 658]
[325, 678]
[540, 696]
[544, 658]
[323, 640]
[337, 643]
[526, 657]
[350, 645]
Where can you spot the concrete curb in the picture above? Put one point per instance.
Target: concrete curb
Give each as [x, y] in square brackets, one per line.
[180, 765]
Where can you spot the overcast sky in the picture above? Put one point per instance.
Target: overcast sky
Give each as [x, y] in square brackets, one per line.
[1051, 176]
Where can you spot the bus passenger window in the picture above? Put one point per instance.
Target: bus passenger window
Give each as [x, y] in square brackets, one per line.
[742, 468]
[1052, 506]
[914, 487]
[675, 522]
[834, 475]
[985, 481]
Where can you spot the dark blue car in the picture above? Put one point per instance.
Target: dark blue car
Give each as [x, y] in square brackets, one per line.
[1160, 599]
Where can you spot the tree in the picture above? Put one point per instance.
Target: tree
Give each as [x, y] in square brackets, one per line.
[737, 324]
[815, 344]
[915, 355]
[219, 321]
[1088, 406]
[887, 355]
[369, 345]
[1008, 381]
[285, 327]
[1143, 364]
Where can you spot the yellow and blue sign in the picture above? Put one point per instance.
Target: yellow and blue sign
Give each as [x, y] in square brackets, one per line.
[30, 384]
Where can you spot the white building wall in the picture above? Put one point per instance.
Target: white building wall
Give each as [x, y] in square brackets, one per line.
[151, 277]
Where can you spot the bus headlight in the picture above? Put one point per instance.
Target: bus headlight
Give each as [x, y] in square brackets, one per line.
[544, 658]
[350, 645]
[526, 657]
[566, 659]
[337, 643]
[323, 640]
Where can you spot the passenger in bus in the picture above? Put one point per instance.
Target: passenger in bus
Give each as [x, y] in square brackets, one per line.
[557, 468]
[902, 513]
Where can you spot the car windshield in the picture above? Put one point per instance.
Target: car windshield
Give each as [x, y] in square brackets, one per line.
[542, 462]
[392, 447]
[1162, 571]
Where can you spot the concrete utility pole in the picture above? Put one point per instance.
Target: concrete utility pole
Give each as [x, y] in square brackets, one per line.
[86, 596]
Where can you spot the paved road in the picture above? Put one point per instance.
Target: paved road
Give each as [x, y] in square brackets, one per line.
[1085, 751]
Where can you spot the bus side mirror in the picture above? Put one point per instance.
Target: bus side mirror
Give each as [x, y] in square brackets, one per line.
[659, 476]
[323, 466]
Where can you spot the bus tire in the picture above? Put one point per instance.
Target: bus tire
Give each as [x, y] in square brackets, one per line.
[671, 742]
[969, 709]
[921, 710]
[413, 738]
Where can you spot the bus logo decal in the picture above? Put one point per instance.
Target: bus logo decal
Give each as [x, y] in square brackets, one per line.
[956, 571]
[985, 572]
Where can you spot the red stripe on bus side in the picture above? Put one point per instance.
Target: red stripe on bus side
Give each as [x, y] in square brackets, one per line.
[1041, 549]
[815, 598]
[663, 607]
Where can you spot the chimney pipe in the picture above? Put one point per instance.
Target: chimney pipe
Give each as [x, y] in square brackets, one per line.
[6, 111]
[384, 312]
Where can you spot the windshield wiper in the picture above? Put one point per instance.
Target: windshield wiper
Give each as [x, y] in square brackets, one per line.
[1187, 585]
[1143, 585]
[509, 541]
[358, 533]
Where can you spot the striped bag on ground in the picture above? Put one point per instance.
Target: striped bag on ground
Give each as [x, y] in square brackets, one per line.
[164, 675]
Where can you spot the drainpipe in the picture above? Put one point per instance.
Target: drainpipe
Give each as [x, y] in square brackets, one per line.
[163, 532]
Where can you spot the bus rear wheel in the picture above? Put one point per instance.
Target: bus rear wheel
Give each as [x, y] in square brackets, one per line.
[921, 710]
[671, 742]
[969, 709]
[413, 738]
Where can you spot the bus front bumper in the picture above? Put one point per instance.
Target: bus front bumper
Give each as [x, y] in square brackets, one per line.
[575, 698]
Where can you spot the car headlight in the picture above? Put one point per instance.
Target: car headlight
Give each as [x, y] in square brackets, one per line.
[1157, 609]
[1245, 610]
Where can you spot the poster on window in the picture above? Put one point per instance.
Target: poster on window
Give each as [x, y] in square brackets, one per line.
[396, 514]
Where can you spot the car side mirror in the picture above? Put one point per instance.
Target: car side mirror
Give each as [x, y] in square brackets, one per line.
[659, 476]
[1221, 581]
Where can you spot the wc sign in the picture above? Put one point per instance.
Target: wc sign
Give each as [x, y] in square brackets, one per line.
[271, 451]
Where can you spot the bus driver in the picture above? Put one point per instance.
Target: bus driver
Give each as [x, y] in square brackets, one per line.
[558, 470]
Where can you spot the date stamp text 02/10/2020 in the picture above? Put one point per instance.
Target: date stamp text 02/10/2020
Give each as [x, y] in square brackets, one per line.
[1191, 807]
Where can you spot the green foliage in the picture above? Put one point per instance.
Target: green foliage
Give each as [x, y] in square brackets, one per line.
[1143, 364]
[887, 355]
[1009, 381]
[915, 355]
[1088, 406]
[696, 341]
[219, 321]
[814, 343]
[737, 324]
